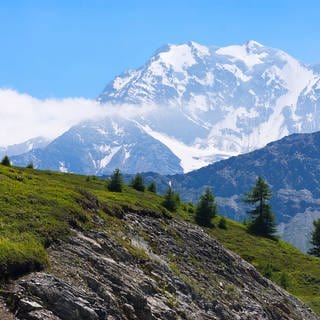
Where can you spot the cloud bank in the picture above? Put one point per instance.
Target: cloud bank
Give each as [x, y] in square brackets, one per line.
[23, 117]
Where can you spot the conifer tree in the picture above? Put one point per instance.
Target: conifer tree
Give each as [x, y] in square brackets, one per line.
[30, 165]
[222, 223]
[137, 183]
[206, 209]
[170, 201]
[315, 239]
[6, 161]
[116, 182]
[152, 187]
[262, 220]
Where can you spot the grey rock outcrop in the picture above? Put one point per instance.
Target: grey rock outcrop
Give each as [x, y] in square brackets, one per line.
[149, 268]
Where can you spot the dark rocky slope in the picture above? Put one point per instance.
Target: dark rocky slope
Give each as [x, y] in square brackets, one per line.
[144, 266]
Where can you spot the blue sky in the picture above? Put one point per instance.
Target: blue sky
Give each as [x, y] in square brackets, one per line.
[72, 48]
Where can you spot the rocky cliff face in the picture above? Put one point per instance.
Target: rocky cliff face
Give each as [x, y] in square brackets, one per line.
[148, 267]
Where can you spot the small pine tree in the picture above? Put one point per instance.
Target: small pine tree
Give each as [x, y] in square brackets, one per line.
[6, 161]
[137, 183]
[264, 223]
[30, 165]
[152, 187]
[206, 209]
[116, 182]
[170, 200]
[222, 223]
[262, 220]
[315, 239]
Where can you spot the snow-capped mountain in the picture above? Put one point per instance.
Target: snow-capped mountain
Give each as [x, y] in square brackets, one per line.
[241, 96]
[98, 147]
[208, 103]
[20, 148]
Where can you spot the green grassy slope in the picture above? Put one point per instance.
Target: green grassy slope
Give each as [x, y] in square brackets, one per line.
[40, 207]
[298, 273]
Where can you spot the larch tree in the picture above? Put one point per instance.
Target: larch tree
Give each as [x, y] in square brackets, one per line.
[138, 183]
[206, 209]
[315, 239]
[262, 220]
[171, 200]
[152, 187]
[116, 182]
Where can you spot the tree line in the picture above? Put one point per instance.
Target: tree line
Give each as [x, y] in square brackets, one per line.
[261, 220]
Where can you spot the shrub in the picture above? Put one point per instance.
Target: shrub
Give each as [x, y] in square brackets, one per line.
[267, 271]
[284, 280]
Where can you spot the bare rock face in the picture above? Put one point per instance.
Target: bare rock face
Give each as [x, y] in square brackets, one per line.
[148, 268]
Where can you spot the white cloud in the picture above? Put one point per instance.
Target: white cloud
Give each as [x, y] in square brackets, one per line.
[23, 117]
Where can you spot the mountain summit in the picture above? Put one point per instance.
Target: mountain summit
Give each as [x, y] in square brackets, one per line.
[207, 103]
[242, 96]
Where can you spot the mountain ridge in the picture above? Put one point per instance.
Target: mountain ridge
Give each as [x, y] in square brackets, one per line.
[207, 103]
[289, 165]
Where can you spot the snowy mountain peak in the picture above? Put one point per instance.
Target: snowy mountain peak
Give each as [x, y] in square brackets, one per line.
[252, 44]
[208, 104]
[251, 53]
[177, 57]
[199, 49]
[223, 101]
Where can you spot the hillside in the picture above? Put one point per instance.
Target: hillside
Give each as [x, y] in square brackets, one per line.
[289, 165]
[123, 256]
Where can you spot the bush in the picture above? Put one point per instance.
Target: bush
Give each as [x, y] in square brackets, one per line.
[267, 271]
[190, 208]
[284, 280]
